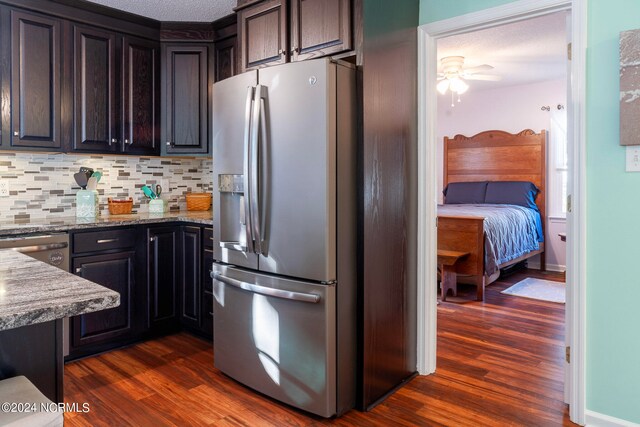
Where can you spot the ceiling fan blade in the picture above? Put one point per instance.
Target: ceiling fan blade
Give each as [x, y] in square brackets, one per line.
[479, 68]
[485, 77]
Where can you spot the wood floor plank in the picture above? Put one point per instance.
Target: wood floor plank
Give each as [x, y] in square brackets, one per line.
[500, 362]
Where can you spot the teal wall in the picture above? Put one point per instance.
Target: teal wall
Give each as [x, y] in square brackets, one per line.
[437, 10]
[613, 279]
[613, 212]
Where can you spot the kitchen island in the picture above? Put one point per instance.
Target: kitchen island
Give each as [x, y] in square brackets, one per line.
[34, 298]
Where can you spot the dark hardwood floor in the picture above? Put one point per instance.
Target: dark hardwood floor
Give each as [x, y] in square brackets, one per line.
[499, 363]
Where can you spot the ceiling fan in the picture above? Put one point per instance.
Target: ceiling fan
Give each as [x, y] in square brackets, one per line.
[453, 75]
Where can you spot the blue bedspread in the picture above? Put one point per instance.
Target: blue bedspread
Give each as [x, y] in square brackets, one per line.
[510, 230]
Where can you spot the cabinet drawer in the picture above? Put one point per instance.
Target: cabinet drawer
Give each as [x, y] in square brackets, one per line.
[207, 238]
[94, 241]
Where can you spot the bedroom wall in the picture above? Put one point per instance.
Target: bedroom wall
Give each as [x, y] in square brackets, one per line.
[613, 203]
[512, 109]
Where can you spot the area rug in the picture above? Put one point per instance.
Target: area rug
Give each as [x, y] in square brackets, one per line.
[541, 289]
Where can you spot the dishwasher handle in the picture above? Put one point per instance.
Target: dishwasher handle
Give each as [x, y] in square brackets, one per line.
[40, 248]
[264, 290]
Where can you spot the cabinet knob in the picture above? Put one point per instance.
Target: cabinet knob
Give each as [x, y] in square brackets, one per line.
[79, 270]
[16, 133]
[126, 141]
[281, 52]
[152, 239]
[170, 144]
[113, 141]
[294, 50]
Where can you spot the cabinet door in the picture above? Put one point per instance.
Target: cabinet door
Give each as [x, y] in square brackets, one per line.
[319, 28]
[35, 85]
[94, 86]
[190, 275]
[263, 34]
[141, 96]
[185, 100]
[225, 54]
[162, 277]
[5, 75]
[116, 272]
[207, 293]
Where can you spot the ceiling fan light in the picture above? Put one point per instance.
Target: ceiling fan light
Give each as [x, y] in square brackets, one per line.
[443, 86]
[458, 85]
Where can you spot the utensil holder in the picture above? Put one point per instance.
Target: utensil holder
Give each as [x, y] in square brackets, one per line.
[87, 204]
[157, 206]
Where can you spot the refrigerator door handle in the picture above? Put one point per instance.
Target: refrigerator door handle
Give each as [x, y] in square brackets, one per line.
[236, 246]
[263, 290]
[247, 177]
[264, 185]
[255, 171]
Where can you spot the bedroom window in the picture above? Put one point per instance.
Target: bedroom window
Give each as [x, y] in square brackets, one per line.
[558, 170]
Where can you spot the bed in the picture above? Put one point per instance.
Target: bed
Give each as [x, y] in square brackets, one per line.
[495, 157]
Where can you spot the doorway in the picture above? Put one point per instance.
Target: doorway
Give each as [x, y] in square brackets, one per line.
[428, 35]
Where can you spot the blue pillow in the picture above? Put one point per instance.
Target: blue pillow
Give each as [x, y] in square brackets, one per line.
[521, 193]
[465, 192]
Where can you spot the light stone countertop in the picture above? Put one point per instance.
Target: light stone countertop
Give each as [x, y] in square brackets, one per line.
[67, 223]
[32, 291]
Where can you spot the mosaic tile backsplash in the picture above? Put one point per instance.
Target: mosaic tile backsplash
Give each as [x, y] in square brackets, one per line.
[42, 185]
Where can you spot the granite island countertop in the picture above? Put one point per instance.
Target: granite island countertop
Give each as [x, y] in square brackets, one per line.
[67, 223]
[32, 291]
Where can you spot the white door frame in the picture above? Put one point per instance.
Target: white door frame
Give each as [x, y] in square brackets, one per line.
[427, 198]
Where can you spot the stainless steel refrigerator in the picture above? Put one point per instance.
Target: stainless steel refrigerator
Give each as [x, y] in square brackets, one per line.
[284, 276]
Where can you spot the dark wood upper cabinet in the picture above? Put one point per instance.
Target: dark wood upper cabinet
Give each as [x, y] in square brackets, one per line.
[5, 72]
[35, 81]
[319, 28]
[186, 80]
[225, 50]
[141, 96]
[225, 58]
[315, 28]
[94, 86]
[116, 85]
[262, 34]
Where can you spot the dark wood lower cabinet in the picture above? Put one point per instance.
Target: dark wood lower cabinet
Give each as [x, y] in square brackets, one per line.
[207, 294]
[162, 275]
[105, 329]
[35, 351]
[162, 278]
[190, 275]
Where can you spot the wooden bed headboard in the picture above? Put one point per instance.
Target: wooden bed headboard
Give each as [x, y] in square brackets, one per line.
[496, 155]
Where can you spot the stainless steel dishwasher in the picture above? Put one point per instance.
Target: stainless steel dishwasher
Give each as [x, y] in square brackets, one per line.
[50, 248]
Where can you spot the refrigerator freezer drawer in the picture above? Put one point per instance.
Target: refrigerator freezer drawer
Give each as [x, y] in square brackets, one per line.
[277, 336]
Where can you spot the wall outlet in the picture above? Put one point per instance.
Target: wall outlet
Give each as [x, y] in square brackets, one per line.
[4, 188]
[633, 158]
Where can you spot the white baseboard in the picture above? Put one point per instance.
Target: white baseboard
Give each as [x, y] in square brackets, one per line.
[550, 267]
[596, 419]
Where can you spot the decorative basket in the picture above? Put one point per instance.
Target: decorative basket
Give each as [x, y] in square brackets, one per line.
[120, 207]
[198, 201]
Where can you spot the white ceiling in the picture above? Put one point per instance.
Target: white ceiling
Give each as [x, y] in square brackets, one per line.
[523, 52]
[174, 10]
